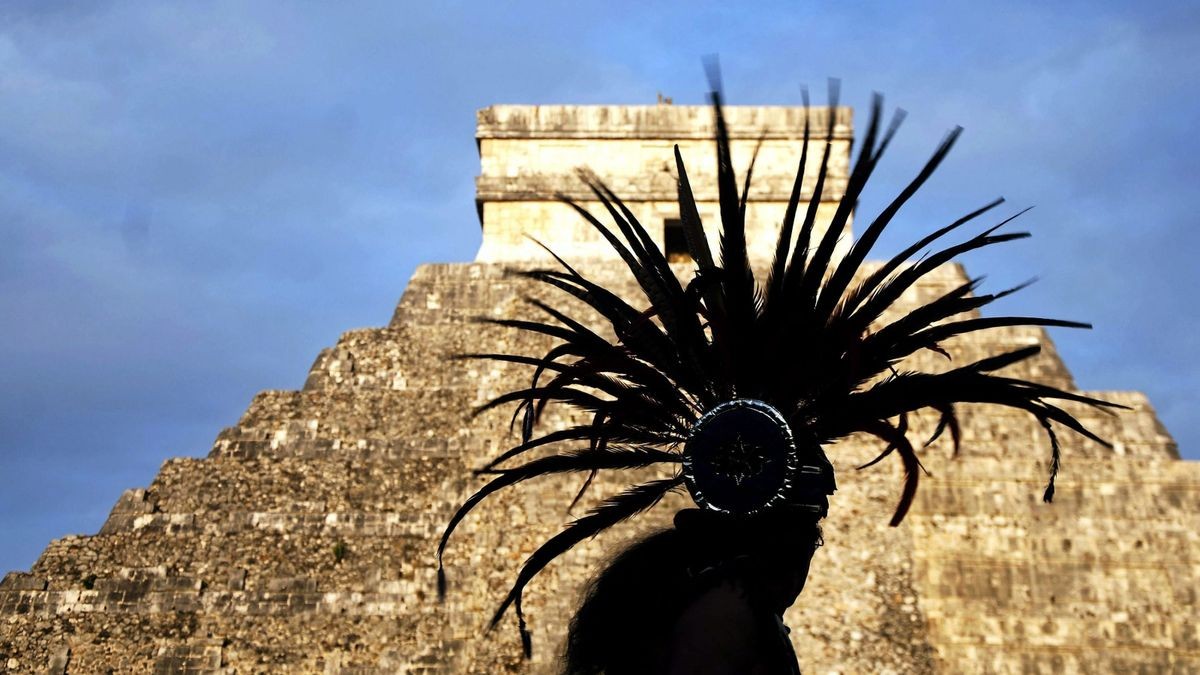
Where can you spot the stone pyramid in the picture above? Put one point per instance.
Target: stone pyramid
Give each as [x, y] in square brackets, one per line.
[304, 541]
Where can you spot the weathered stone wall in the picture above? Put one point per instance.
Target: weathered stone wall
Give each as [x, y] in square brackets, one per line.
[528, 154]
[304, 541]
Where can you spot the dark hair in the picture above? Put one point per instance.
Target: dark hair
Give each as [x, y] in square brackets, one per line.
[629, 610]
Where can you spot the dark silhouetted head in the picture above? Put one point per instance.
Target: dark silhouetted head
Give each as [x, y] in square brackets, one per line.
[629, 610]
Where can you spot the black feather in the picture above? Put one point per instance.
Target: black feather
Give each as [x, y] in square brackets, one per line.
[584, 460]
[612, 511]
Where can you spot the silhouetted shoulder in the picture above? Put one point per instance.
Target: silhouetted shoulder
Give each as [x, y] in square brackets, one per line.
[719, 633]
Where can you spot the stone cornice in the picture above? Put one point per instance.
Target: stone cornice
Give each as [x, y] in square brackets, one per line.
[668, 122]
[652, 187]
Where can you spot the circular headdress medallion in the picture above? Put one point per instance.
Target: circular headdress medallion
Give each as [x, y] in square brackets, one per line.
[739, 458]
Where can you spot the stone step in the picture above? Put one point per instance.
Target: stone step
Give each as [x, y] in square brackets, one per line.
[1054, 536]
[431, 294]
[233, 642]
[280, 596]
[1105, 630]
[288, 485]
[455, 292]
[201, 517]
[1068, 659]
[246, 550]
[980, 485]
[389, 425]
[986, 487]
[346, 423]
[413, 351]
[1059, 586]
[375, 359]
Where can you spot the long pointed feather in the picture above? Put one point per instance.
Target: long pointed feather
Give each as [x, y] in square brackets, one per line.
[815, 273]
[796, 276]
[689, 215]
[858, 253]
[890, 291]
[609, 513]
[585, 460]
[783, 245]
[879, 275]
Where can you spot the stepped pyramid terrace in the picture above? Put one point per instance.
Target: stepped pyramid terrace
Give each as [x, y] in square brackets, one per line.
[304, 540]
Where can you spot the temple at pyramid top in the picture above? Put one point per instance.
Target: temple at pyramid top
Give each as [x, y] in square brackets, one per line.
[529, 154]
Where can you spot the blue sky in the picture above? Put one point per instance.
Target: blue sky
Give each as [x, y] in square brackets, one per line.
[195, 199]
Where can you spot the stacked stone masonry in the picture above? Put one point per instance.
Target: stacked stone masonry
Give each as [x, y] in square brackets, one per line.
[529, 154]
[304, 541]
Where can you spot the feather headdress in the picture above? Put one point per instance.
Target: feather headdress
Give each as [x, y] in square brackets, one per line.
[799, 360]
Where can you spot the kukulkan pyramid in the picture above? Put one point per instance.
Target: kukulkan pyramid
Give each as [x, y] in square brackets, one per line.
[304, 541]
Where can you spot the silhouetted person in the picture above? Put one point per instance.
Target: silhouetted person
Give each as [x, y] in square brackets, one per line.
[703, 598]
